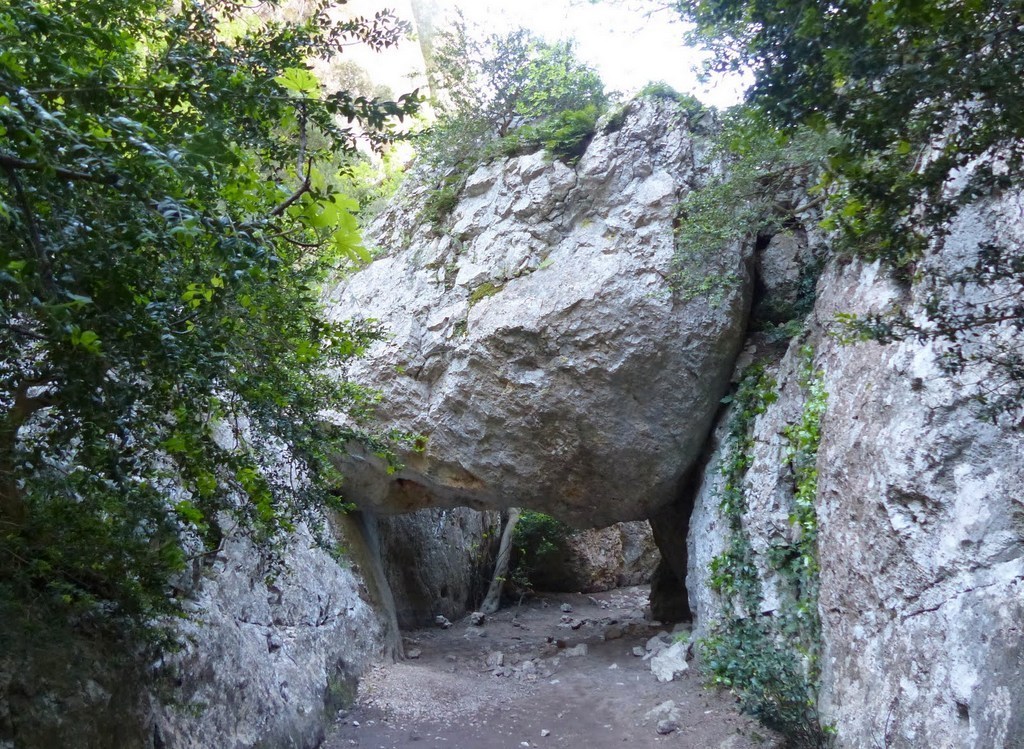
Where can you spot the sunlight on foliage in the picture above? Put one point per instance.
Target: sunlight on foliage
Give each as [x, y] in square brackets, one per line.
[167, 226]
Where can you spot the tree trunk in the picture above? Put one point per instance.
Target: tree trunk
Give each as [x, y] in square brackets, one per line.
[492, 601]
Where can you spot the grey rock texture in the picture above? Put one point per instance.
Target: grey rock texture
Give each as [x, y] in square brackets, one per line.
[922, 514]
[438, 561]
[536, 342]
[265, 662]
[921, 521]
[599, 559]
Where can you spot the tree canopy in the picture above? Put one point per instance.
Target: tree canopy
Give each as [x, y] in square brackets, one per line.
[166, 225]
[923, 97]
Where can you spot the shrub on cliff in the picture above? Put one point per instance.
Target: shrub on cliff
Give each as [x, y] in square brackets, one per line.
[926, 101]
[504, 94]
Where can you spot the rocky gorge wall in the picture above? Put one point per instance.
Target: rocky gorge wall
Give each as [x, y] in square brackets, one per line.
[264, 660]
[537, 344]
[919, 504]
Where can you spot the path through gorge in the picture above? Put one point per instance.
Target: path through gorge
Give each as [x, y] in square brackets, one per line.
[559, 670]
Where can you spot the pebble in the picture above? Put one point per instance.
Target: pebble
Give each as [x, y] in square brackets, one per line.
[545, 733]
[414, 653]
[442, 622]
[566, 608]
[477, 618]
[665, 727]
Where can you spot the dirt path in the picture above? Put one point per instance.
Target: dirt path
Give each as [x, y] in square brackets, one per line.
[521, 680]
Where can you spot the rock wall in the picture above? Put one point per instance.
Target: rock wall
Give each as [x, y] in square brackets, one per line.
[536, 342]
[264, 662]
[268, 661]
[920, 507]
[438, 562]
[598, 559]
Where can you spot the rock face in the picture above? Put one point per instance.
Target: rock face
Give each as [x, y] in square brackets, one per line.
[921, 521]
[263, 664]
[536, 342]
[266, 663]
[438, 562]
[598, 559]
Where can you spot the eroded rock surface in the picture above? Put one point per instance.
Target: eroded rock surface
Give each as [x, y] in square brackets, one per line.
[919, 505]
[536, 342]
[265, 661]
[599, 559]
[438, 561]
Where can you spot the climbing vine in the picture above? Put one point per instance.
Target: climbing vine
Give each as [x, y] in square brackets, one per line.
[744, 651]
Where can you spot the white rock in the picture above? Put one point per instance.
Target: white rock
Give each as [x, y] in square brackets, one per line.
[582, 386]
[921, 526]
[669, 664]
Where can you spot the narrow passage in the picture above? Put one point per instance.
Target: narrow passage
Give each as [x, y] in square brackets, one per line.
[559, 671]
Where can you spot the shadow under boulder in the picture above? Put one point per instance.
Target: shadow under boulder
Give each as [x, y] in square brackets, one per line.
[438, 562]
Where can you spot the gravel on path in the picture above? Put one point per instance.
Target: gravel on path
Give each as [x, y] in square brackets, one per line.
[562, 671]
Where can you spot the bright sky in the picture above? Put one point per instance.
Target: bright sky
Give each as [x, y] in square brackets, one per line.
[629, 42]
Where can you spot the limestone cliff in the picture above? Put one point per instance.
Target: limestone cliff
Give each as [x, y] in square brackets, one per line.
[919, 510]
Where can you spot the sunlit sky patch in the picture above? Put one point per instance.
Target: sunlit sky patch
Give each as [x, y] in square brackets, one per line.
[629, 42]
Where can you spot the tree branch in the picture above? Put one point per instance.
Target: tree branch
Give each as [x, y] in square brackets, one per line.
[11, 163]
[303, 189]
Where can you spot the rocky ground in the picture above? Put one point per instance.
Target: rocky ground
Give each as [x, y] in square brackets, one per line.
[565, 670]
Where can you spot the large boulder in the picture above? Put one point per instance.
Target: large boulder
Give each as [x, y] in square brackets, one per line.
[537, 343]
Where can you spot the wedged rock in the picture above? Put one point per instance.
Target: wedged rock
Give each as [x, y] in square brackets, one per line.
[536, 342]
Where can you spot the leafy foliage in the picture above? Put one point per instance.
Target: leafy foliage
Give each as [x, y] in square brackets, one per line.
[771, 663]
[925, 98]
[761, 190]
[537, 540]
[513, 78]
[504, 95]
[165, 231]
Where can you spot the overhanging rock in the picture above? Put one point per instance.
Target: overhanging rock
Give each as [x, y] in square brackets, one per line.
[537, 343]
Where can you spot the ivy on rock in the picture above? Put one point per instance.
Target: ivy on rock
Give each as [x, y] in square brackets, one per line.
[770, 662]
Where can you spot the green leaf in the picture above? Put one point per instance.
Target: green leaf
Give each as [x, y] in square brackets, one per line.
[298, 81]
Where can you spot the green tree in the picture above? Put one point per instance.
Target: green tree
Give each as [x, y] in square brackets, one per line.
[165, 230]
[925, 99]
[503, 95]
[512, 79]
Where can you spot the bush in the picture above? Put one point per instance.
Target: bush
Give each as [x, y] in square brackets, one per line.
[505, 96]
[537, 540]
